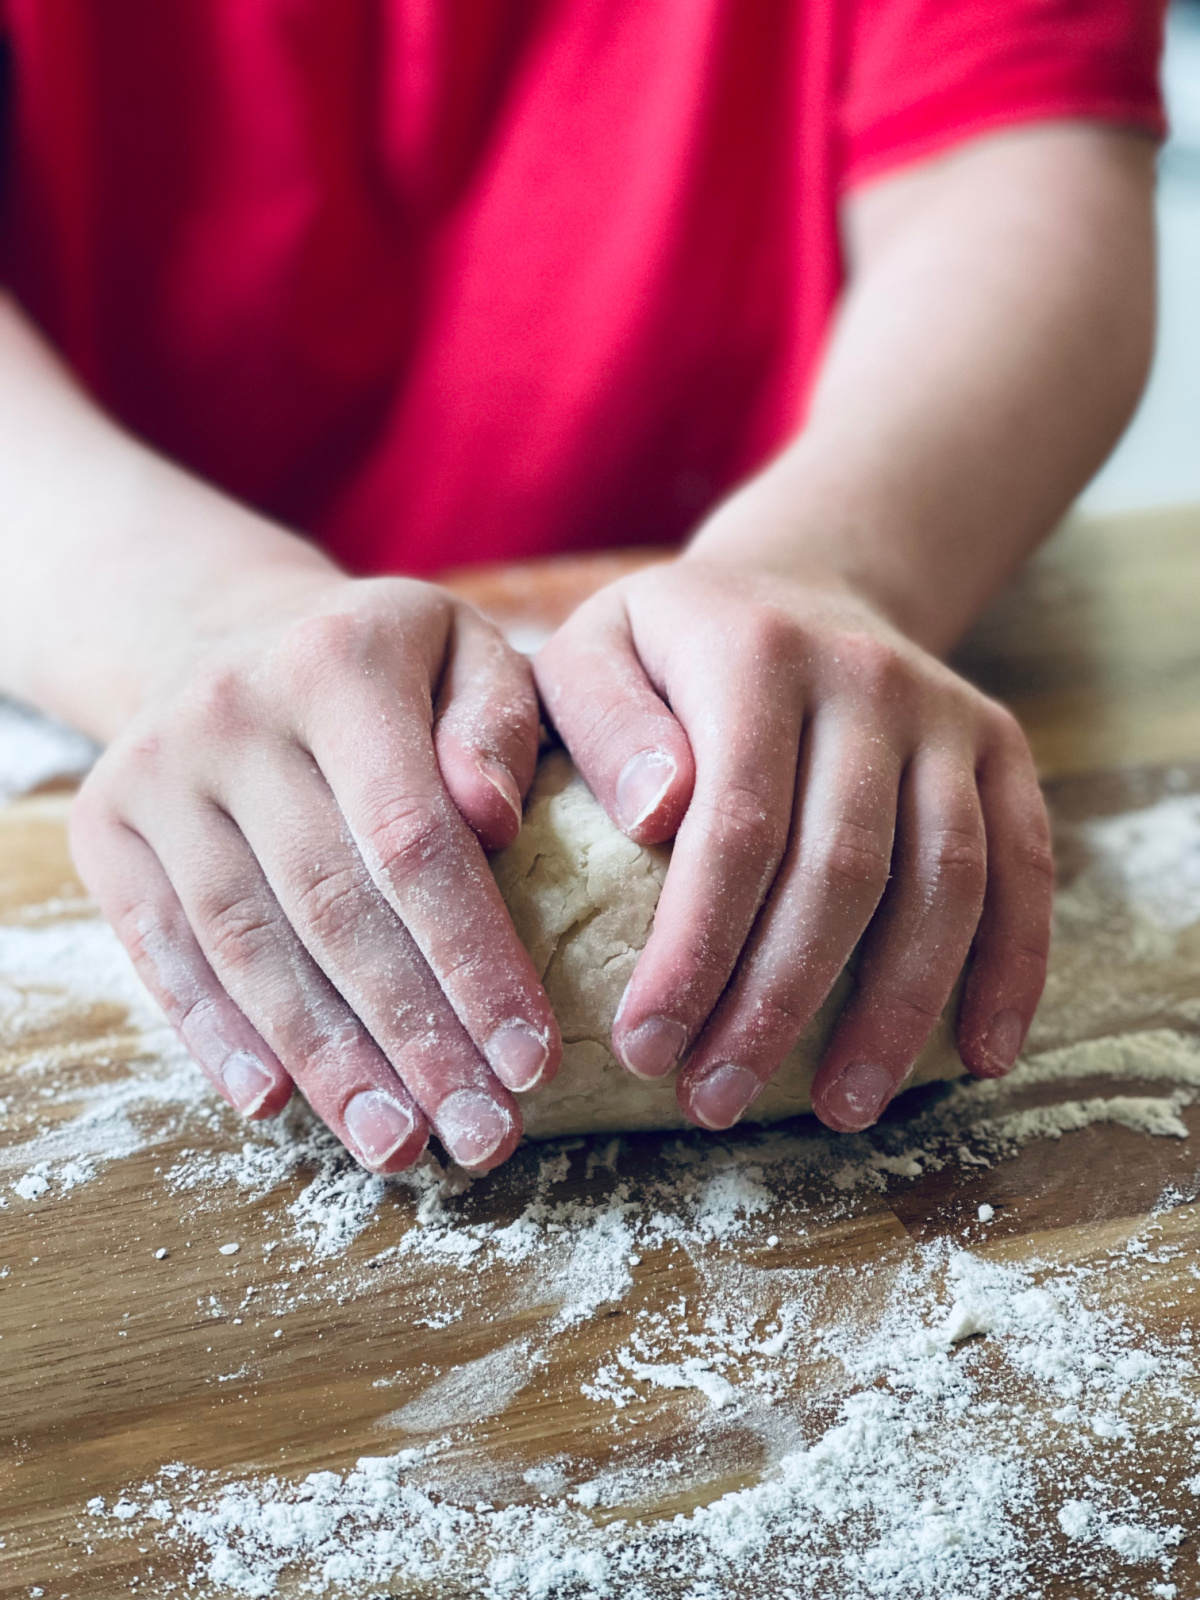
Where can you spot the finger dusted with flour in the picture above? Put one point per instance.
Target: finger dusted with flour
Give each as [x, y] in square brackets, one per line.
[275, 839]
[583, 897]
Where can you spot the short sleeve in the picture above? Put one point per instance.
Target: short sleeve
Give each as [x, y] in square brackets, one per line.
[923, 74]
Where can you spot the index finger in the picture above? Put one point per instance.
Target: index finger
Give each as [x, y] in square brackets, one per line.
[732, 840]
[429, 866]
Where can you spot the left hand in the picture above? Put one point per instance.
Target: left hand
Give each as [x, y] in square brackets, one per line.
[826, 781]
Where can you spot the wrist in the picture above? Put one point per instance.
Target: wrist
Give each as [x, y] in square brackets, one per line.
[788, 542]
[804, 521]
[188, 572]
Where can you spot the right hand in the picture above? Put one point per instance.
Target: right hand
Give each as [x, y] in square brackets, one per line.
[287, 839]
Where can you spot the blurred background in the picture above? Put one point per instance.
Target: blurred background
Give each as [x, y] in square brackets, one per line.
[1158, 461]
[1156, 465]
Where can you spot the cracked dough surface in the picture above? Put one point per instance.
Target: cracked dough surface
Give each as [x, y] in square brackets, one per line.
[582, 897]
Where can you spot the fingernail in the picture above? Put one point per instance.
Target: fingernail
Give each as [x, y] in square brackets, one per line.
[621, 1004]
[858, 1094]
[653, 1047]
[517, 1054]
[644, 780]
[502, 780]
[1002, 1041]
[721, 1098]
[378, 1125]
[247, 1081]
[472, 1126]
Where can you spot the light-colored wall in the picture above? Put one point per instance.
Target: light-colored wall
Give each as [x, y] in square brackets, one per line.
[1158, 461]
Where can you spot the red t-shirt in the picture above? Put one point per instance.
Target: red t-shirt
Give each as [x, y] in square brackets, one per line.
[448, 280]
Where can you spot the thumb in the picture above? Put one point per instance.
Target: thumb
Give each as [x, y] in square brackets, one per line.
[631, 750]
[486, 729]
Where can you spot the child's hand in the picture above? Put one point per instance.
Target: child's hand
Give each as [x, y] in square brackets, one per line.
[829, 781]
[279, 839]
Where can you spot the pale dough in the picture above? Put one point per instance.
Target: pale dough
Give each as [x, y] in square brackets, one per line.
[582, 897]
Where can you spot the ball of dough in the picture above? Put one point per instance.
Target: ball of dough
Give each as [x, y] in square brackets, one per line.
[582, 897]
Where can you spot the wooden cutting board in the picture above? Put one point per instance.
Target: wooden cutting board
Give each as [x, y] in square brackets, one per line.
[115, 1361]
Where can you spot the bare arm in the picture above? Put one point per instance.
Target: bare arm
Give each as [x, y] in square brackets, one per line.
[113, 558]
[993, 344]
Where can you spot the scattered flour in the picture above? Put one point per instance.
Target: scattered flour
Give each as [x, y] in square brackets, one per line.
[34, 749]
[1155, 853]
[468, 1393]
[989, 1409]
[964, 1425]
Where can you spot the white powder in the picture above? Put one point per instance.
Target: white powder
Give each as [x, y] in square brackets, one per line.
[468, 1393]
[34, 749]
[694, 1373]
[51, 972]
[938, 1473]
[970, 1415]
[1155, 853]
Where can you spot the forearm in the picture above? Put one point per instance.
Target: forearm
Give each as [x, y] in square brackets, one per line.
[993, 343]
[112, 557]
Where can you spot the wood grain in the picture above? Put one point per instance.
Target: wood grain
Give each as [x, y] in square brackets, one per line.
[111, 1360]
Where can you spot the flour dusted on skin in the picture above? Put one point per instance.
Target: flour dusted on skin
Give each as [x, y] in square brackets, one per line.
[582, 897]
[51, 971]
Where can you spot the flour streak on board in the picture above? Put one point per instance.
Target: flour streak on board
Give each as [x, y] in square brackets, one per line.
[956, 1424]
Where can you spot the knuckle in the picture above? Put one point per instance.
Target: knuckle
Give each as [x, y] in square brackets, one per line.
[610, 733]
[96, 834]
[918, 1009]
[1035, 859]
[192, 1011]
[771, 637]
[512, 722]
[876, 665]
[851, 855]
[134, 924]
[410, 835]
[90, 812]
[739, 819]
[136, 757]
[907, 1012]
[235, 932]
[1003, 727]
[346, 647]
[331, 904]
[956, 858]
[1026, 945]
[606, 731]
[469, 964]
[140, 751]
[313, 645]
[775, 1021]
[1028, 858]
[215, 702]
[1013, 966]
[1031, 953]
